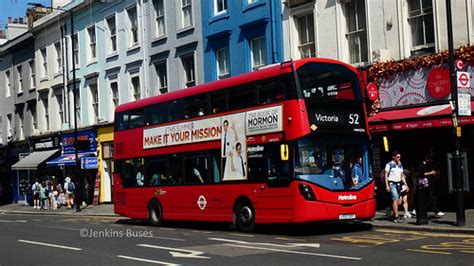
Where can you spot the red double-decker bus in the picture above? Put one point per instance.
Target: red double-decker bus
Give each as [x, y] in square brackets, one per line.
[285, 144]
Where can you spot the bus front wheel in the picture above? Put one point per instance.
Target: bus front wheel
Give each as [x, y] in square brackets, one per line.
[245, 216]
[155, 213]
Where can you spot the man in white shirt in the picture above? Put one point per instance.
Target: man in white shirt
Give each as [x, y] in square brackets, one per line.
[394, 180]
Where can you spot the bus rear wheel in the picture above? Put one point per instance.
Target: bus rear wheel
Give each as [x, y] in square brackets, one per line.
[245, 217]
[155, 213]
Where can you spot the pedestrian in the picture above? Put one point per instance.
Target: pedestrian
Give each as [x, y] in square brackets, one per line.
[60, 198]
[394, 180]
[405, 193]
[44, 195]
[425, 195]
[36, 194]
[69, 186]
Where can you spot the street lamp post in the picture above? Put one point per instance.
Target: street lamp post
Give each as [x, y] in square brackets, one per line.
[73, 84]
[457, 175]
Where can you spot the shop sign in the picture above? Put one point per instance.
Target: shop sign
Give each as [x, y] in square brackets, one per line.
[372, 91]
[48, 143]
[438, 83]
[89, 163]
[88, 135]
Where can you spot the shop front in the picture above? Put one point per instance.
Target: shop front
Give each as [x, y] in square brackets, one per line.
[18, 151]
[413, 116]
[32, 166]
[5, 183]
[105, 138]
[85, 174]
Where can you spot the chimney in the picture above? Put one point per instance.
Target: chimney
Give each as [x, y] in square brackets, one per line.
[9, 20]
[21, 20]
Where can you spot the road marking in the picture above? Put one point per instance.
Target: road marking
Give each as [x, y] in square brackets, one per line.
[288, 245]
[296, 252]
[204, 232]
[168, 238]
[48, 245]
[429, 251]
[425, 233]
[58, 227]
[470, 252]
[243, 235]
[147, 260]
[289, 239]
[12, 221]
[177, 252]
[167, 229]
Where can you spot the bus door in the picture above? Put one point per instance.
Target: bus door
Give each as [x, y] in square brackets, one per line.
[198, 179]
[272, 174]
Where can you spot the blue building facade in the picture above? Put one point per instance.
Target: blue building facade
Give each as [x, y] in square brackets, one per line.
[240, 36]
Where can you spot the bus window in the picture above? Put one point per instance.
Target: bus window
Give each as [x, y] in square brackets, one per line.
[176, 110]
[196, 170]
[265, 164]
[132, 172]
[174, 175]
[155, 171]
[242, 96]
[156, 114]
[217, 101]
[121, 121]
[196, 106]
[271, 91]
[215, 159]
[137, 118]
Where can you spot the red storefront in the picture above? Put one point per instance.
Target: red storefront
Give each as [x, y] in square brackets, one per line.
[413, 115]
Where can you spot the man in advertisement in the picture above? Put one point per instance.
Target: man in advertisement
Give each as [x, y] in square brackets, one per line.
[234, 147]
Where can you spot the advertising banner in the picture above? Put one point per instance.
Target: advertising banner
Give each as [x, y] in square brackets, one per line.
[234, 147]
[182, 133]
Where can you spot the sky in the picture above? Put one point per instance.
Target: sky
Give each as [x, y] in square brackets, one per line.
[16, 9]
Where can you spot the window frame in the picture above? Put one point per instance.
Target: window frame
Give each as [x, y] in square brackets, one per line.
[191, 72]
[223, 75]
[359, 34]
[92, 44]
[414, 49]
[220, 7]
[19, 70]
[162, 79]
[261, 40]
[8, 83]
[112, 35]
[44, 62]
[133, 90]
[308, 45]
[133, 32]
[159, 17]
[186, 6]
[32, 68]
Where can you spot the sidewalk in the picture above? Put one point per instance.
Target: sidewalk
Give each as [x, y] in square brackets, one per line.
[99, 210]
[446, 224]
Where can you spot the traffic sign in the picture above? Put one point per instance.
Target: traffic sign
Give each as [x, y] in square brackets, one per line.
[463, 80]
[459, 64]
[464, 101]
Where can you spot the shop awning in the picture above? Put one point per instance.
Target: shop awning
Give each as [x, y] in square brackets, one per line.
[416, 118]
[32, 161]
[69, 159]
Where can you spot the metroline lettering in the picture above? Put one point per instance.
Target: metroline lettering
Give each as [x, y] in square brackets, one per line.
[270, 119]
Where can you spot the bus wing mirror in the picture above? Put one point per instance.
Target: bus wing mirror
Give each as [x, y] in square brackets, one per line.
[284, 152]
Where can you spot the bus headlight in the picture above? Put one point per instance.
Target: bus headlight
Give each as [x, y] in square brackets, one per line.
[307, 192]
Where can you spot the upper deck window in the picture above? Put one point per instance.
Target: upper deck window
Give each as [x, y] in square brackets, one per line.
[327, 81]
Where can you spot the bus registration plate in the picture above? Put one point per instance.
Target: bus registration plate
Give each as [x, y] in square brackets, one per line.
[347, 216]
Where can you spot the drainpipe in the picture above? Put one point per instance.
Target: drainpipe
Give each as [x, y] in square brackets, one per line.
[144, 53]
[272, 31]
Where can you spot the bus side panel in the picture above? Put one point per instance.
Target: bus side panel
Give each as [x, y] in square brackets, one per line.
[274, 205]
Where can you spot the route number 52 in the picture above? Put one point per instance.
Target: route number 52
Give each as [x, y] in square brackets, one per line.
[354, 119]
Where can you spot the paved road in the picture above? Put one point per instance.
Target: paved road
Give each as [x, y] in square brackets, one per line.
[53, 240]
